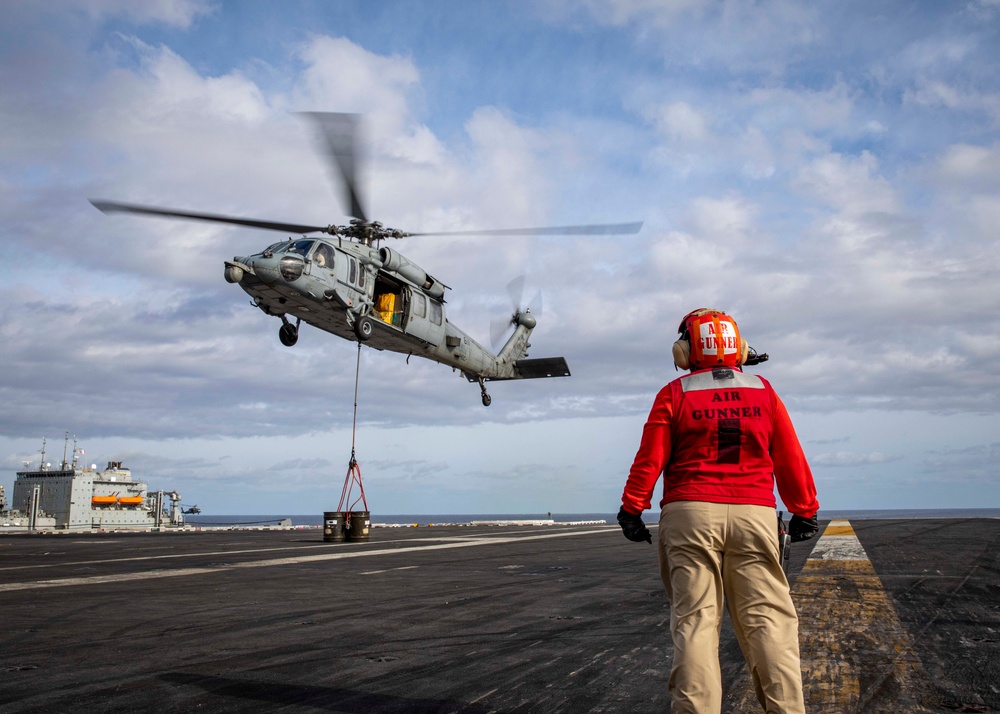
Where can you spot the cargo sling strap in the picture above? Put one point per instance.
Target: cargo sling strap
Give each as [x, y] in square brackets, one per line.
[353, 470]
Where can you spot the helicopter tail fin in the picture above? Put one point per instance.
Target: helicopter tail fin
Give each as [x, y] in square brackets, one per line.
[541, 368]
[529, 369]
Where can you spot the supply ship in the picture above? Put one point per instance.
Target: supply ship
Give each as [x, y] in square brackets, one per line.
[75, 497]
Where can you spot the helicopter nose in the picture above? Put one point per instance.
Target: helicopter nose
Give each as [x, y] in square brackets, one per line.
[234, 270]
[264, 269]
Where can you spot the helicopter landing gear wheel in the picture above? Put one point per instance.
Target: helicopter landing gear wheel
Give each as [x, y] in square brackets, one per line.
[487, 400]
[288, 333]
[363, 328]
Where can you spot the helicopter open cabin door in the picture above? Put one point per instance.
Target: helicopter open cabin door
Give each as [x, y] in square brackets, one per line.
[425, 318]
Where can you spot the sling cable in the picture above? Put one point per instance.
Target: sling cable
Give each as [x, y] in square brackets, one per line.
[352, 518]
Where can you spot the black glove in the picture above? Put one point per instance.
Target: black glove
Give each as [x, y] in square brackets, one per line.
[800, 528]
[633, 527]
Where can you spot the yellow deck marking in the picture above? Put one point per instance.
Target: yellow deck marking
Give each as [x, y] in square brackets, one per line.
[839, 529]
[856, 655]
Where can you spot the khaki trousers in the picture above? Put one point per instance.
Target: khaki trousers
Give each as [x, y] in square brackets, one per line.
[710, 554]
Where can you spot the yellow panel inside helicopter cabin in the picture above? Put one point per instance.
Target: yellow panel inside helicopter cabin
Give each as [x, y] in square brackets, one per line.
[385, 305]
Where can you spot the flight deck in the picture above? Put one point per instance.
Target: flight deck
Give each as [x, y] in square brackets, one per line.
[895, 616]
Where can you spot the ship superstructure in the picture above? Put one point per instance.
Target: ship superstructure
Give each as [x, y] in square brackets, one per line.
[79, 497]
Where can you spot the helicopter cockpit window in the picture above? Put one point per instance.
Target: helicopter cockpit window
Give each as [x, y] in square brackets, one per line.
[301, 247]
[323, 257]
[435, 312]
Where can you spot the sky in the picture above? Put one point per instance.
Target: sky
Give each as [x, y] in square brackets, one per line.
[828, 172]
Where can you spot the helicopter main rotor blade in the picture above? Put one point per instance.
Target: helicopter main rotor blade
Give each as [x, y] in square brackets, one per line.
[339, 133]
[113, 207]
[603, 229]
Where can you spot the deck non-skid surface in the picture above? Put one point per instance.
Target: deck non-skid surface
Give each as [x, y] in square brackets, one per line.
[896, 615]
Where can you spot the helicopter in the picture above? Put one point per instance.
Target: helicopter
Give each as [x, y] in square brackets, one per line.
[192, 510]
[345, 282]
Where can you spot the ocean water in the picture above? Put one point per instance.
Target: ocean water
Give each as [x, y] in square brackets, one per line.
[403, 519]
[464, 518]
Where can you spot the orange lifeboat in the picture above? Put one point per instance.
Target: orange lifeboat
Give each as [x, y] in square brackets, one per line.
[130, 500]
[104, 500]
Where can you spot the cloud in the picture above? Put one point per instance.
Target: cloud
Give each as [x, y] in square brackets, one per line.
[971, 168]
[175, 13]
[984, 9]
[833, 440]
[178, 14]
[840, 459]
[680, 121]
[302, 465]
[829, 179]
[705, 34]
[937, 93]
[376, 85]
[979, 462]
[629, 12]
[850, 185]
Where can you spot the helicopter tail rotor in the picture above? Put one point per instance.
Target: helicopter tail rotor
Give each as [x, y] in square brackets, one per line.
[521, 314]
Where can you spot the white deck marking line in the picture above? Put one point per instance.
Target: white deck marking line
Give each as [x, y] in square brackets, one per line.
[320, 557]
[170, 556]
[389, 570]
[483, 696]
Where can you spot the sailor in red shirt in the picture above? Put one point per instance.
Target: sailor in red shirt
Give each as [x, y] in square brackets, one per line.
[722, 439]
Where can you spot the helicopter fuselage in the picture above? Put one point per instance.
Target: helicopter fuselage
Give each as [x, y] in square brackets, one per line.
[378, 297]
[345, 285]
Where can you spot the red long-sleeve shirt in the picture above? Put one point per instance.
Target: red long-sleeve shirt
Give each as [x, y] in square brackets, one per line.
[722, 436]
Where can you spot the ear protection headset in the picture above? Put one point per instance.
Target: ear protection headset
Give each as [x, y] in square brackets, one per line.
[709, 338]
